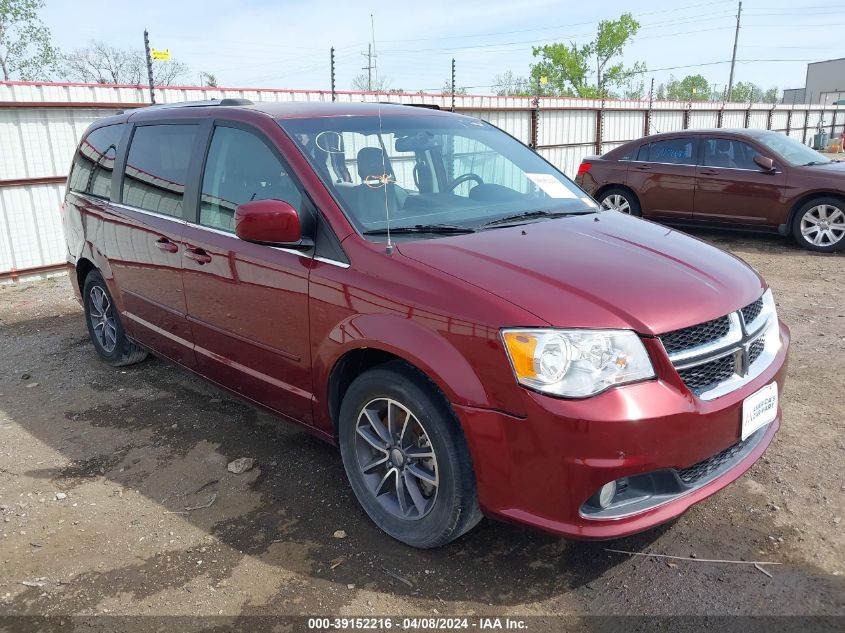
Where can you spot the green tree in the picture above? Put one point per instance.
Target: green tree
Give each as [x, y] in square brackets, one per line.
[690, 88]
[446, 89]
[661, 92]
[209, 80]
[25, 47]
[589, 70]
[772, 95]
[747, 92]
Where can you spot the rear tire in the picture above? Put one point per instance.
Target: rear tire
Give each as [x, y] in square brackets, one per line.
[406, 457]
[819, 225]
[622, 200]
[104, 325]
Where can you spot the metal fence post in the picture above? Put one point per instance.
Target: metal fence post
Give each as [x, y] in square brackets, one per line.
[789, 121]
[535, 122]
[599, 127]
[806, 125]
[687, 114]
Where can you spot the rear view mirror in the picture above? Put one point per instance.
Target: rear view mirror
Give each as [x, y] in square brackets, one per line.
[764, 162]
[273, 222]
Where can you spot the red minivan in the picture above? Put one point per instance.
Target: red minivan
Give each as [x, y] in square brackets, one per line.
[427, 293]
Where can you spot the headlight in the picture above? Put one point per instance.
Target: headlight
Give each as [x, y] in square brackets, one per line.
[576, 363]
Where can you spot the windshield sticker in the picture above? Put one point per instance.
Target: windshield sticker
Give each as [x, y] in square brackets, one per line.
[551, 186]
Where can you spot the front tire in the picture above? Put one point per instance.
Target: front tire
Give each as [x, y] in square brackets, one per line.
[104, 325]
[406, 457]
[819, 225]
[622, 200]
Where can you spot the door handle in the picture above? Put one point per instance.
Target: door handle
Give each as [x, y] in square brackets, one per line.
[707, 172]
[198, 255]
[166, 245]
[643, 167]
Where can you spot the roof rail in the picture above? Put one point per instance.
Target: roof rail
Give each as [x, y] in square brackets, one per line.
[428, 106]
[197, 104]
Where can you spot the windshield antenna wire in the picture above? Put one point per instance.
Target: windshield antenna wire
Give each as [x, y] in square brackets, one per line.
[385, 178]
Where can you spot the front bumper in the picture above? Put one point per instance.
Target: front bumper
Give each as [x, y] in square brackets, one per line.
[539, 470]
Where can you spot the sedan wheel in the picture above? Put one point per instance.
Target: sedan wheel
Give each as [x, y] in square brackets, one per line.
[616, 202]
[823, 225]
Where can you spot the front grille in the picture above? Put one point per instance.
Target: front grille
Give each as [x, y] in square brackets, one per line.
[681, 340]
[752, 311]
[696, 472]
[700, 378]
[755, 349]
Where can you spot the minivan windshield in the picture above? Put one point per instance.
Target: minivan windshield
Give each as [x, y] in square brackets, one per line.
[792, 151]
[432, 174]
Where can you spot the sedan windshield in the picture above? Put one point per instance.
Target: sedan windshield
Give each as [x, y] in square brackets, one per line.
[792, 151]
[426, 171]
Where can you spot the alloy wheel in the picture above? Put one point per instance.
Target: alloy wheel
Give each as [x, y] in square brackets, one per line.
[101, 316]
[616, 202]
[396, 458]
[823, 225]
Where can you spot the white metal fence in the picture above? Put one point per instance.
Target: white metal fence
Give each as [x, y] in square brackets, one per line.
[40, 125]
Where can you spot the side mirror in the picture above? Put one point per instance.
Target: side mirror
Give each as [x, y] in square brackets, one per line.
[764, 162]
[272, 222]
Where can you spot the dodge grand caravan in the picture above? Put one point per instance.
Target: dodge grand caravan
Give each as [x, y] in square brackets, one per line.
[432, 296]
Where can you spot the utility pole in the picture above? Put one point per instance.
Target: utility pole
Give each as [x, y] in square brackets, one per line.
[453, 84]
[733, 57]
[149, 66]
[369, 67]
[331, 58]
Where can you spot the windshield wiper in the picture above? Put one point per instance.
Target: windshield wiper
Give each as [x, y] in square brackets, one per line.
[422, 228]
[816, 162]
[528, 215]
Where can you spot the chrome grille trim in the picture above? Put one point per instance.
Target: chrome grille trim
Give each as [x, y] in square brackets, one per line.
[753, 346]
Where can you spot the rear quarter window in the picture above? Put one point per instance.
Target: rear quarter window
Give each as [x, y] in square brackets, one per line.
[676, 151]
[157, 167]
[93, 163]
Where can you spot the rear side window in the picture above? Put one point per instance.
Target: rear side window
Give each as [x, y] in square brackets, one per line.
[676, 151]
[241, 168]
[157, 167]
[94, 161]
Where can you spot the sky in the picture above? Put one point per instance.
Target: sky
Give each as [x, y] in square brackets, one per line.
[285, 44]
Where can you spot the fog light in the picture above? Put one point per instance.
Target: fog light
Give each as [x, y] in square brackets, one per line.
[605, 495]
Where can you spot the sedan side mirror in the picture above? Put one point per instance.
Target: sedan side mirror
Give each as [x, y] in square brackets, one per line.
[272, 222]
[764, 162]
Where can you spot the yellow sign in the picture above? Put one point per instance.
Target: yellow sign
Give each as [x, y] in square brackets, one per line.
[544, 80]
[161, 56]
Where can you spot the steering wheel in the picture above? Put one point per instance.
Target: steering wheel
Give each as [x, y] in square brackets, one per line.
[462, 179]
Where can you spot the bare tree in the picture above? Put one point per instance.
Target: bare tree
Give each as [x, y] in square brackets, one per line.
[104, 64]
[362, 82]
[25, 47]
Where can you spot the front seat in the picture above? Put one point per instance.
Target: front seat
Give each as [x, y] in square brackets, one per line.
[723, 154]
[374, 163]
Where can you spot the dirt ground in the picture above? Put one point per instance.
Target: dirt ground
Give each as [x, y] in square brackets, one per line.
[98, 466]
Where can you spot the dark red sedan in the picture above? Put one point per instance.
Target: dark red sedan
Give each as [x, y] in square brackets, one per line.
[750, 179]
[430, 295]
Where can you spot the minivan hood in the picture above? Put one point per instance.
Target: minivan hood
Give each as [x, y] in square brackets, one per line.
[605, 270]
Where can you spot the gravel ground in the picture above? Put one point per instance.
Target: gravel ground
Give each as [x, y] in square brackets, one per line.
[115, 497]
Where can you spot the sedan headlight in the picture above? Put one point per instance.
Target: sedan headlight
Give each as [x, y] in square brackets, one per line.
[576, 363]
